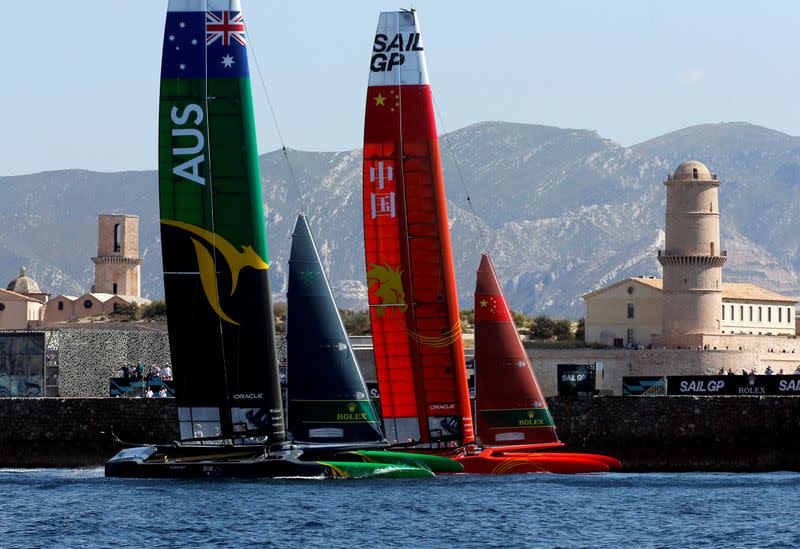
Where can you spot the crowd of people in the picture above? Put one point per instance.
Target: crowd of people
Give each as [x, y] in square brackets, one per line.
[140, 372]
[768, 371]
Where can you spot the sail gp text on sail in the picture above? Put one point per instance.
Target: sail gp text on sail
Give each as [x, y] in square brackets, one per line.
[388, 54]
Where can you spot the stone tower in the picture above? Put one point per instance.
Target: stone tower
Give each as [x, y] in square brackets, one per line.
[692, 260]
[117, 265]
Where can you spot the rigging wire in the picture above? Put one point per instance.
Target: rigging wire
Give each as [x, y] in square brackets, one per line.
[213, 221]
[295, 182]
[478, 221]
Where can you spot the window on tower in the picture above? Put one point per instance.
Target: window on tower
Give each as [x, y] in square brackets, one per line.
[695, 175]
[630, 310]
[712, 248]
[723, 312]
[117, 239]
[751, 313]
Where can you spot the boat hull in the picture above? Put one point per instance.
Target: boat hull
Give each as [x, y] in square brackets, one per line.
[434, 463]
[182, 462]
[508, 460]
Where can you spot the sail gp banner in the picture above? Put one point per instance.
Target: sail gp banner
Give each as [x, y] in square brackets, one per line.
[732, 385]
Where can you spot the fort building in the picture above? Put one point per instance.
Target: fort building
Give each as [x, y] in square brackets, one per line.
[632, 310]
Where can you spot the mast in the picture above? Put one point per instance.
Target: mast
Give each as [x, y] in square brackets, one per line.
[510, 405]
[328, 400]
[212, 230]
[412, 295]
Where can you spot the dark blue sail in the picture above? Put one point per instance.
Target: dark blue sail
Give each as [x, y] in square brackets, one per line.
[328, 401]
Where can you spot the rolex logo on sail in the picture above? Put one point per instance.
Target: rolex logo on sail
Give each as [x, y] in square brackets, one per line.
[351, 414]
[531, 420]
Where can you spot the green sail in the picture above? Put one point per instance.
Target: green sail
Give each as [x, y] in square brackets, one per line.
[212, 231]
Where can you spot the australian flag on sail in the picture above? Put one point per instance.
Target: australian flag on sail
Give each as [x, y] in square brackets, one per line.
[196, 39]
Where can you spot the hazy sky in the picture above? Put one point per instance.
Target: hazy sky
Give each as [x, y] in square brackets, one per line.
[80, 79]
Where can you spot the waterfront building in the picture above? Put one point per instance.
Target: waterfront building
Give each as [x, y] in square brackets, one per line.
[690, 307]
[631, 311]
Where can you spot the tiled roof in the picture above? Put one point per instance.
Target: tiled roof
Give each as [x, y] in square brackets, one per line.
[9, 295]
[730, 290]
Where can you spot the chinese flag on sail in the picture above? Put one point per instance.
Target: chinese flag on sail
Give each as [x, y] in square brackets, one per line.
[492, 308]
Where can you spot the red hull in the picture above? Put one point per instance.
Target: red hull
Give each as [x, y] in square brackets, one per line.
[508, 460]
[506, 465]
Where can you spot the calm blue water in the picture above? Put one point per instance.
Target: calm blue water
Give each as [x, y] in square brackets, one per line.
[80, 508]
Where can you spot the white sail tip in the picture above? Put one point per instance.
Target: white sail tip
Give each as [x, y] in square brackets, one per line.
[398, 56]
[204, 5]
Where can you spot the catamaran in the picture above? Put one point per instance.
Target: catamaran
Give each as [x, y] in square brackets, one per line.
[514, 423]
[221, 333]
[416, 327]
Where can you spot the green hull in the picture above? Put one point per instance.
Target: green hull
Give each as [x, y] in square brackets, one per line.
[435, 464]
[362, 470]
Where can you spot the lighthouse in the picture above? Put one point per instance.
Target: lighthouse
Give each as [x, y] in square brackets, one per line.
[692, 260]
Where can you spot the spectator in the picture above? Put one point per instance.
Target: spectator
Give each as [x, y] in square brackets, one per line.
[797, 371]
[769, 371]
[126, 372]
[780, 372]
[155, 371]
[166, 373]
[140, 371]
[162, 393]
[148, 393]
[730, 372]
[721, 372]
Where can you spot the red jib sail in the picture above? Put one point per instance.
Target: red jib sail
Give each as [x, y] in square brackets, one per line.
[510, 406]
[412, 293]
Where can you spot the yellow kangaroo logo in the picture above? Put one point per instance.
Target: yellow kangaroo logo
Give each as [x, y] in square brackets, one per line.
[390, 286]
[236, 260]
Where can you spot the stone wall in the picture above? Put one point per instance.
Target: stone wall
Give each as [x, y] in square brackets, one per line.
[67, 432]
[618, 363]
[647, 434]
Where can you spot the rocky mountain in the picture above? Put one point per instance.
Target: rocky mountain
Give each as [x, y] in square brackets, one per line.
[563, 212]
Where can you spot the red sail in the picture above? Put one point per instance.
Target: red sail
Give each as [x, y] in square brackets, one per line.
[510, 406]
[412, 294]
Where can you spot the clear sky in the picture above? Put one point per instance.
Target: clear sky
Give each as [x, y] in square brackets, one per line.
[80, 79]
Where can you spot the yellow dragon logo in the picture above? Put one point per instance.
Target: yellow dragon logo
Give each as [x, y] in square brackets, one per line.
[236, 260]
[389, 286]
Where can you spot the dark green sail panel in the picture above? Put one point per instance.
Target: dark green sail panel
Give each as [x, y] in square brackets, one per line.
[328, 400]
[212, 232]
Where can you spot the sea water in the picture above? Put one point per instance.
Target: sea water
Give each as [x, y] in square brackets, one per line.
[80, 508]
